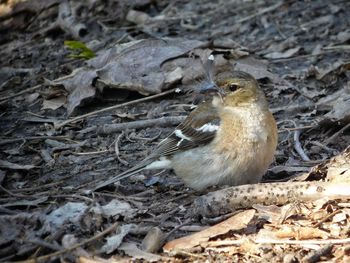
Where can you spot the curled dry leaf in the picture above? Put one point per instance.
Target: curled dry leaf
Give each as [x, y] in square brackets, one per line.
[79, 85]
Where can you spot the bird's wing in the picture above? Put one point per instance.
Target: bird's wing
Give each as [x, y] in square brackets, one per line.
[197, 129]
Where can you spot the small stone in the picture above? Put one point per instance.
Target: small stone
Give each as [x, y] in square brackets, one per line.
[153, 240]
[289, 258]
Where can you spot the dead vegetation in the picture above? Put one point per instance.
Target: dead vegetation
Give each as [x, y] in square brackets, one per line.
[68, 123]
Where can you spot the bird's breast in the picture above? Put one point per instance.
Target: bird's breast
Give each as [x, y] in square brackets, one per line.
[243, 128]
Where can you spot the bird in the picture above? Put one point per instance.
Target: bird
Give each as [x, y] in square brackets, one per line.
[229, 139]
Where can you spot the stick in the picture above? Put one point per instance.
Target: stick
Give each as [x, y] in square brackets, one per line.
[276, 241]
[160, 122]
[315, 256]
[6, 141]
[81, 117]
[335, 135]
[20, 93]
[68, 22]
[299, 148]
[245, 196]
[261, 12]
[83, 243]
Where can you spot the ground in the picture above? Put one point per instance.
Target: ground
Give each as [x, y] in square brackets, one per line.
[298, 51]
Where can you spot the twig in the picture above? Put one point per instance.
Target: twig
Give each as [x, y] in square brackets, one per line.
[43, 186]
[276, 241]
[160, 122]
[183, 253]
[146, 139]
[81, 117]
[293, 107]
[314, 256]
[68, 22]
[73, 196]
[329, 150]
[261, 12]
[43, 243]
[13, 194]
[326, 218]
[335, 135]
[338, 47]
[116, 149]
[20, 93]
[58, 253]
[298, 147]
[296, 128]
[91, 153]
[7, 141]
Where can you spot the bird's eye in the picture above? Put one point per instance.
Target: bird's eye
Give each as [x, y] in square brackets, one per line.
[233, 87]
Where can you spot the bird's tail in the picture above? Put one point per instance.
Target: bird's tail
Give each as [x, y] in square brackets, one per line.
[122, 175]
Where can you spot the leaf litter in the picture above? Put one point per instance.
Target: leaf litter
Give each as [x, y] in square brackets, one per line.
[298, 51]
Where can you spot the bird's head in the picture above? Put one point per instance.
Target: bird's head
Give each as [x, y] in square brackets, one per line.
[237, 88]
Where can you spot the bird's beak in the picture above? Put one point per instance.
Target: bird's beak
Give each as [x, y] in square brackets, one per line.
[211, 87]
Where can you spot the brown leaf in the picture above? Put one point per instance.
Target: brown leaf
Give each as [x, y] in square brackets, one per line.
[236, 222]
[301, 233]
[138, 67]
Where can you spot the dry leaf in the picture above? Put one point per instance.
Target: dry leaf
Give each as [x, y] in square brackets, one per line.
[79, 86]
[236, 222]
[115, 208]
[340, 111]
[70, 240]
[30, 98]
[133, 251]
[257, 68]
[97, 260]
[270, 213]
[113, 242]
[301, 233]
[137, 17]
[15, 166]
[54, 104]
[71, 212]
[286, 54]
[138, 67]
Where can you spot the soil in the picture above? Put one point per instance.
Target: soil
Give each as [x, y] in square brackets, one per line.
[304, 51]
